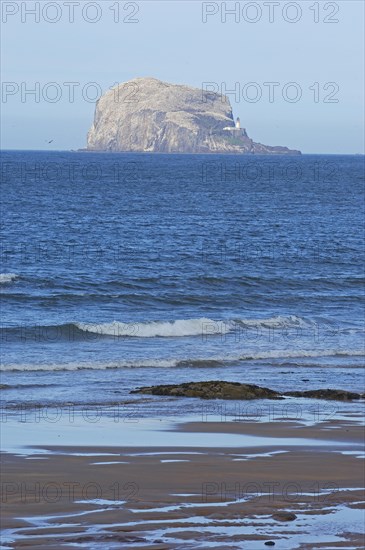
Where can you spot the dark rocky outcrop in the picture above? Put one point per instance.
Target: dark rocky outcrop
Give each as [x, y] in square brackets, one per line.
[212, 390]
[337, 395]
[216, 389]
[284, 516]
[148, 115]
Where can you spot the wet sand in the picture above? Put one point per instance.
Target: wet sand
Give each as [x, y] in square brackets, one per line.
[192, 497]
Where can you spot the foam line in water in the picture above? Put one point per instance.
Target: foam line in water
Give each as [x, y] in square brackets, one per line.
[199, 362]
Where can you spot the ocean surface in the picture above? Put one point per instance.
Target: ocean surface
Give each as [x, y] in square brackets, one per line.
[122, 270]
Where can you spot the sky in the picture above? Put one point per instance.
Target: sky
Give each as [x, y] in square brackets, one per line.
[294, 71]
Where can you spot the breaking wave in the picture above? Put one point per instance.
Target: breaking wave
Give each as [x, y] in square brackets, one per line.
[8, 277]
[189, 327]
[179, 328]
[162, 329]
[203, 327]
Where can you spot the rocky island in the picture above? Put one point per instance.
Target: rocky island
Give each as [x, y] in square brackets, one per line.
[148, 115]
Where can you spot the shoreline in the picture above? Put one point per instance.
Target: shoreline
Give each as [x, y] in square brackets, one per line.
[173, 495]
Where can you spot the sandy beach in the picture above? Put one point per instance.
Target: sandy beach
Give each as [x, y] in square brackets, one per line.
[280, 484]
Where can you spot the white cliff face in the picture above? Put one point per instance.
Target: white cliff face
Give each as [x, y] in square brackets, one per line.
[148, 115]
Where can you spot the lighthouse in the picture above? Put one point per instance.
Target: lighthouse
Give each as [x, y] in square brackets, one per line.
[236, 130]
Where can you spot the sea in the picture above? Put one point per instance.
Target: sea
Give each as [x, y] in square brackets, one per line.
[126, 270]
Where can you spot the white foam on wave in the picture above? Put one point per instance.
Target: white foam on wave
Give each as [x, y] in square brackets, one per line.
[284, 354]
[7, 277]
[162, 329]
[179, 362]
[189, 327]
[142, 363]
[279, 321]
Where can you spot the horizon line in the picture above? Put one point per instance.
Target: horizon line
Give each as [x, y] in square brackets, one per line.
[175, 153]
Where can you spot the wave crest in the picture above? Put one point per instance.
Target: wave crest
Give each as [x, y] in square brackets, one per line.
[7, 277]
[190, 327]
[162, 329]
[178, 328]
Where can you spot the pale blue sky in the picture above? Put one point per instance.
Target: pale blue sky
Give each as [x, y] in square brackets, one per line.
[171, 42]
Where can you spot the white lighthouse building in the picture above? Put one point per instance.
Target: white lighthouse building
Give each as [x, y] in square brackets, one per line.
[236, 129]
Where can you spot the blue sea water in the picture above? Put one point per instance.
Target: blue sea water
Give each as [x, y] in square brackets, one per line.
[120, 270]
